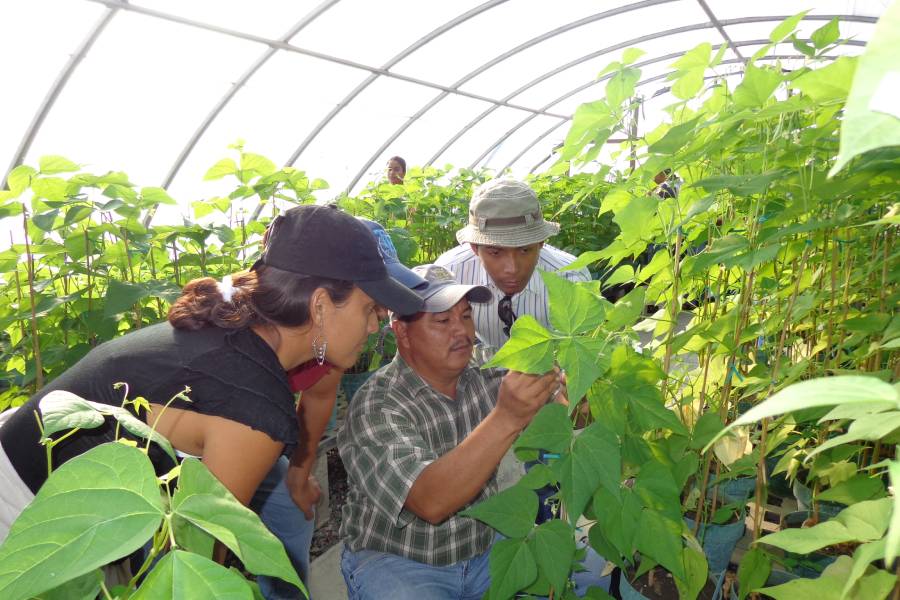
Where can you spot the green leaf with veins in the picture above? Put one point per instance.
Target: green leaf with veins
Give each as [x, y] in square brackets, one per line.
[528, 350]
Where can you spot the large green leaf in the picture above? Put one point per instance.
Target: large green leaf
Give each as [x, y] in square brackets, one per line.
[94, 509]
[862, 558]
[511, 512]
[829, 586]
[584, 360]
[824, 391]
[637, 219]
[892, 539]
[553, 545]
[862, 522]
[550, 429]
[696, 570]
[594, 461]
[871, 116]
[626, 311]
[86, 587]
[756, 87]
[62, 411]
[202, 500]
[659, 537]
[512, 568]
[529, 349]
[784, 29]
[856, 489]
[185, 576]
[828, 83]
[121, 296]
[573, 308]
[56, 164]
[656, 487]
[869, 427]
[753, 571]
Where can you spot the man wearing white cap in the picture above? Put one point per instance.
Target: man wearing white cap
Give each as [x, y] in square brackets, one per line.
[502, 248]
[421, 442]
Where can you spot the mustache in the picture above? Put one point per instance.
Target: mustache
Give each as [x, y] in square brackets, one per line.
[462, 343]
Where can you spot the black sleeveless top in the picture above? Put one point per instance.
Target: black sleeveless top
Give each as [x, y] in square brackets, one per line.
[233, 374]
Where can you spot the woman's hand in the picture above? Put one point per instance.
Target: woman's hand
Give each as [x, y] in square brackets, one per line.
[304, 489]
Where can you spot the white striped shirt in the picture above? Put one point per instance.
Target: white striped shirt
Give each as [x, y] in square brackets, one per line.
[467, 268]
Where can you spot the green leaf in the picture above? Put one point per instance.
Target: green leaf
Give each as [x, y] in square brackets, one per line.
[76, 214]
[687, 85]
[675, 138]
[626, 311]
[157, 195]
[856, 489]
[553, 546]
[705, 429]
[637, 219]
[659, 537]
[623, 274]
[892, 539]
[573, 308]
[62, 411]
[695, 58]
[538, 476]
[511, 512]
[137, 427]
[85, 587]
[656, 487]
[122, 296]
[46, 220]
[512, 568]
[871, 118]
[94, 509]
[20, 178]
[753, 571]
[786, 27]
[861, 522]
[826, 34]
[550, 429]
[696, 570]
[202, 500]
[862, 558]
[51, 164]
[584, 361]
[224, 167]
[182, 575]
[528, 350]
[257, 163]
[756, 87]
[824, 391]
[869, 427]
[831, 82]
[631, 54]
[593, 461]
[620, 86]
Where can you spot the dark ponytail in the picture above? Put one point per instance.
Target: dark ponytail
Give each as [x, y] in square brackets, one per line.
[265, 295]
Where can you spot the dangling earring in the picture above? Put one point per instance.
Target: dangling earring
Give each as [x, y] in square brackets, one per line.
[319, 349]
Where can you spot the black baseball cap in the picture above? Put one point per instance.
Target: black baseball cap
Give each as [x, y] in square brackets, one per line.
[324, 241]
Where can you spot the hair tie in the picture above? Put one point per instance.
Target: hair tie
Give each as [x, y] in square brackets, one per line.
[226, 288]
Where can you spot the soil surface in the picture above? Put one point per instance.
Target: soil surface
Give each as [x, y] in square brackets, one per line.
[328, 535]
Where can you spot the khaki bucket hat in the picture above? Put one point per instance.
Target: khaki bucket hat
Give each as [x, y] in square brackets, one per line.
[506, 213]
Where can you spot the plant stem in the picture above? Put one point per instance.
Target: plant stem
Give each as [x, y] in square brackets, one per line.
[35, 343]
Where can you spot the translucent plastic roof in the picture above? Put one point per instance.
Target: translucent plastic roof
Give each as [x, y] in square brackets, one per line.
[160, 88]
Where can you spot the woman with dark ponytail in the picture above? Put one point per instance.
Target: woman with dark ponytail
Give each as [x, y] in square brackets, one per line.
[310, 299]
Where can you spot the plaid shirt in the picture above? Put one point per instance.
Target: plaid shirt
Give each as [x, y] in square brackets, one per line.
[395, 427]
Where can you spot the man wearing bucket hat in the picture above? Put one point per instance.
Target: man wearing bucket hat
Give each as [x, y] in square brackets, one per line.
[502, 248]
[421, 442]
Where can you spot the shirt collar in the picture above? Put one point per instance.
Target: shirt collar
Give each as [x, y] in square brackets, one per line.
[416, 383]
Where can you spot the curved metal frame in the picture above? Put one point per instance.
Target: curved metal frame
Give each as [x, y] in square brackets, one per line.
[113, 6]
[504, 101]
[538, 139]
[371, 78]
[594, 82]
[54, 91]
[242, 80]
[496, 60]
[592, 55]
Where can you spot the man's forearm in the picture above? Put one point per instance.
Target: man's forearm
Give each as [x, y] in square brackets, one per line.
[452, 481]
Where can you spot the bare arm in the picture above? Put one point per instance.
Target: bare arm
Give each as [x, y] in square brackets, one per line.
[239, 456]
[314, 411]
[452, 481]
